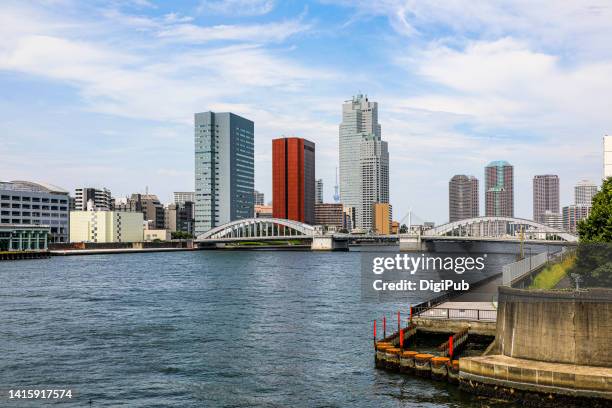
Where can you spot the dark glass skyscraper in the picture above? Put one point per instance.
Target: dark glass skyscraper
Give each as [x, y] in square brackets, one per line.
[224, 169]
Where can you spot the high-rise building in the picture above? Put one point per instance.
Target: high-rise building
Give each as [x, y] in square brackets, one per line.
[319, 192]
[383, 217]
[29, 203]
[374, 164]
[607, 148]
[360, 126]
[182, 196]
[101, 198]
[499, 189]
[293, 179]
[462, 197]
[545, 196]
[258, 198]
[572, 214]
[224, 169]
[584, 192]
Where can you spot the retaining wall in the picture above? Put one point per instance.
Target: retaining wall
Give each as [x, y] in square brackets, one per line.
[557, 327]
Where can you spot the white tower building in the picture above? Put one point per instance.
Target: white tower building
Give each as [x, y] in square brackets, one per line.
[360, 125]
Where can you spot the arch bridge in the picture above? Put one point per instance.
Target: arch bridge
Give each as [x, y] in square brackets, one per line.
[258, 229]
[500, 228]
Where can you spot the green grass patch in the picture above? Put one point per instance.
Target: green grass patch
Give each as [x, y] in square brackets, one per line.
[552, 274]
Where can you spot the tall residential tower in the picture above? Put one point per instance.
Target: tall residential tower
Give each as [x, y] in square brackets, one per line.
[224, 169]
[545, 196]
[499, 189]
[462, 197]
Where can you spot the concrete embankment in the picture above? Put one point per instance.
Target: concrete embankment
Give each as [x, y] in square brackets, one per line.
[551, 347]
[97, 248]
[76, 252]
[20, 255]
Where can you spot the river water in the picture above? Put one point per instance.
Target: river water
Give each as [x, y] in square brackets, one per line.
[204, 328]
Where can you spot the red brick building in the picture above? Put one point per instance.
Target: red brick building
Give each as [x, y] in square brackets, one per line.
[293, 179]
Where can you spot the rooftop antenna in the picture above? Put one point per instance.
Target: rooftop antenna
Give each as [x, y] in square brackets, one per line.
[336, 189]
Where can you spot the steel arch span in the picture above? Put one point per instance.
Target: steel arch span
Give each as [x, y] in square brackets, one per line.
[259, 228]
[497, 227]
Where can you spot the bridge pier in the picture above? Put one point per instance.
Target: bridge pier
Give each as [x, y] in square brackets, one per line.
[329, 243]
[410, 243]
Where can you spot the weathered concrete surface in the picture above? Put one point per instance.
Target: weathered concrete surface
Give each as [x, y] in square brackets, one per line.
[453, 326]
[542, 377]
[556, 327]
[329, 243]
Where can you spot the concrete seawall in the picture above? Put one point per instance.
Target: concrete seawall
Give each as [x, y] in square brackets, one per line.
[551, 349]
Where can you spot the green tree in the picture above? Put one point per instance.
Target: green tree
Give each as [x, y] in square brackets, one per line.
[181, 235]
[594, 255]
[597, 228]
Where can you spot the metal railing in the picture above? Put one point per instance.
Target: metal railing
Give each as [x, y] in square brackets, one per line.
[456, 314]
[516, 270]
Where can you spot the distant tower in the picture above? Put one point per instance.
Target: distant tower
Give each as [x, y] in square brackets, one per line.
[499, 189]
[336, 189]
[545, 196]
[584, 192]
[462, 197]
[607, 147]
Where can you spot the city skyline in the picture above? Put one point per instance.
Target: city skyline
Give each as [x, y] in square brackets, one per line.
[119, 82]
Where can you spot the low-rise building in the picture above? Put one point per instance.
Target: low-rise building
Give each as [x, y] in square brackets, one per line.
[19, 237]
[106, 226]
[263, 211]
[29, 203]
[157, 234]
[329, 215]
[395, 227]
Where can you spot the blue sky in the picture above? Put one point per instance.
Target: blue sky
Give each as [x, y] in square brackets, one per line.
[103, 93]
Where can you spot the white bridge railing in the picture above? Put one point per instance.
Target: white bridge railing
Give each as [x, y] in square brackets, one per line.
[515, 270]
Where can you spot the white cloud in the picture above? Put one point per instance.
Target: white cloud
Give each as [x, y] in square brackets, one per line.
[562, 25]
[504, 82]
[254, 33]
[236, 7]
